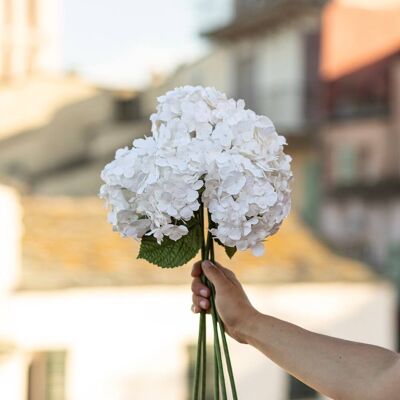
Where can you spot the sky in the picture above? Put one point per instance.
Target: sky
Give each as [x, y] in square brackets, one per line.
[120, 43]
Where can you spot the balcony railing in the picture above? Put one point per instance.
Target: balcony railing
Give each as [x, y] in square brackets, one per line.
[291, 107]
[245, 7]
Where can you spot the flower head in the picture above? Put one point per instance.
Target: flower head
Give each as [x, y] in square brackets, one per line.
[204, 148]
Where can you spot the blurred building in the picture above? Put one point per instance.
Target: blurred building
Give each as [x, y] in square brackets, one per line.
[30, 38]
[268, 54]
[58, 132]
[360, 140]
[81, 318]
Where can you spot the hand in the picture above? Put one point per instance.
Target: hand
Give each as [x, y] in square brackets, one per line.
[231, 301]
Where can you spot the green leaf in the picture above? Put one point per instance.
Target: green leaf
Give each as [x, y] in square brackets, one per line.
[170, 253]
[230, 251]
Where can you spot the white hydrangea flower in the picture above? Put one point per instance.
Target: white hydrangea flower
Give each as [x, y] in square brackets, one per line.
[201, 139]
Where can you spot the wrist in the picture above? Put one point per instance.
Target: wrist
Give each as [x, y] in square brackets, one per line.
[248, 326]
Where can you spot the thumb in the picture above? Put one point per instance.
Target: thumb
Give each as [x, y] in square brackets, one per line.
[214, 274]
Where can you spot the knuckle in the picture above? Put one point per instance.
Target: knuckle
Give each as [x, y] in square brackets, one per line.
[196, 299]
[231, 274]
[195, 269]
[196, 286]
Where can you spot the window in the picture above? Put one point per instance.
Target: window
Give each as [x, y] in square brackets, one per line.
[352, 164]
[366, 168]
[127, 109]
[253, 5]
[192, 354]
[312, 89]
[46, 376]
[345, 169]
[365, 92]
[300, 391]
[311, 192]
[392, 262]
[245, 87]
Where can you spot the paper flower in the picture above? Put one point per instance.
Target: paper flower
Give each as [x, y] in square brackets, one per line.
[204, 149]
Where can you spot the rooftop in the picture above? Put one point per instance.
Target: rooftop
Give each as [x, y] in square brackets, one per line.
[67, 243]
[31, 103]
[255, 19]
[355, 36]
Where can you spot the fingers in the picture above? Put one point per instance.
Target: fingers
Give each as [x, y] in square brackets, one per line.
[200, 302]
[228, 273]
[199, 288]
[214, 274]
[200, 292]
[196, 270]
[196, 309]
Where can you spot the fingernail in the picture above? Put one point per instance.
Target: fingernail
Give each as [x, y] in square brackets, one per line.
[192, 308]
[203, 304]
[204, 292]
[207, 264]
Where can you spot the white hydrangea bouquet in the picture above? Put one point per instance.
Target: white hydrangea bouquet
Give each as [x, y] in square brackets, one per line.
[209, 159]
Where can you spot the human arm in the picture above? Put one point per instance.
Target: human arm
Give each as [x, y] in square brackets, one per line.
[340, 369]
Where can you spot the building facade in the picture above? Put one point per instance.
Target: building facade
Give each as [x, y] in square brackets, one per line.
[360, 144]
[29, 38]
[81, 318]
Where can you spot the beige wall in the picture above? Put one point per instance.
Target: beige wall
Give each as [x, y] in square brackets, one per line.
[80, 130]
[10, 239]
[216, 69]
[301, 155]
[60, 140]
[67, 132]
[120, 342]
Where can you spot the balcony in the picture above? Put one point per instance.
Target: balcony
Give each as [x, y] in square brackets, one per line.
[246, 7]
[366, 92]
[360, 158]
[253, 16]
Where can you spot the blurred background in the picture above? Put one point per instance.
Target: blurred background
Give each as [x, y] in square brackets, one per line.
[80, 317]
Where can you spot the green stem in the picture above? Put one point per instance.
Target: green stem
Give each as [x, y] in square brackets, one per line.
[216, 338]
[198, 360]
[227, 358]
[207, 252]
[200, 380]
[204, 359]
[216, 373]
[217, 350]
[217, 347]
[203, 315]
[223, 336]
[203, 242]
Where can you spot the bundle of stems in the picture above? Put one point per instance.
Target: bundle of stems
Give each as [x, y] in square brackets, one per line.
[200, 381]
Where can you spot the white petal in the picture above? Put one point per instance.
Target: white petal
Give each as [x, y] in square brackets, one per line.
[258, 249]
